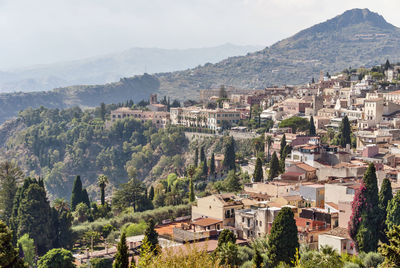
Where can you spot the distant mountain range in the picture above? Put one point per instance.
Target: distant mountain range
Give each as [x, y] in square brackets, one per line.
[357, 37]
[110, 68]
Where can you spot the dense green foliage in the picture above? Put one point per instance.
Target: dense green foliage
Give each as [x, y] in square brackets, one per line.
[8, 255]
[121, 259]
[28, 249]
[77, 193]
[102, 181]
[366, 215]
[296, 123]
[59, 144]
[393, 212]
[57, 258]
[391, 251]
[101, 262]
[283, 240]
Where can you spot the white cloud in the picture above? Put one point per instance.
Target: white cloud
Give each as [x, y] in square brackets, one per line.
[45, 31]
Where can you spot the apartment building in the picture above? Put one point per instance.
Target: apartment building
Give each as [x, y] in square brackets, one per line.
[253, 223]
[206, 118]
[158, 119]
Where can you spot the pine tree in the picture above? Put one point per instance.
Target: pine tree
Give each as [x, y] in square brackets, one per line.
[391, 251]
[345, 132]
[196, 157]
[229, 154]
[8, 255]
[225, 237]
[257, 260]
[191, 190]
[102, 181]
[385, 195]
[283, 240]
[393, 212]
[312, 126]
[212, 164]
[273, 167]
[76, 196]
[283, 144]
[366, 216]
[122, 255]
[258, 175]
[85, 198]
[151, 193]
[10, 176]
[152, 237]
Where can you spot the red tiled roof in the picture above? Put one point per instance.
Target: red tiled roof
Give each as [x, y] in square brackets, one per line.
[206, 222]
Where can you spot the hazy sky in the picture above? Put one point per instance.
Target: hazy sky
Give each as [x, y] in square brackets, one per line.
[45, 31]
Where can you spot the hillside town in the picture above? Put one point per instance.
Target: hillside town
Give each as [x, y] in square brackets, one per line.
[326, 135]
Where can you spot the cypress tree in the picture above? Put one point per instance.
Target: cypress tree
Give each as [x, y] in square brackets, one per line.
[345, 132]
[229, 154]
[151, 193]
[191, 190]
[258, 175]
[212, 164]
[122, 255]
[9, 257]
[152, 237]
[196, 157]
[85, 198]
[366, 216]
[385, 195]
[35, 218]
[202, 154]
[103, 111]
[102, 181]
[205, 168]
[283, 144]
[76, 196]
[232, 182]
[273, 167]
[312, 126]
[283, 240]
[393, 212]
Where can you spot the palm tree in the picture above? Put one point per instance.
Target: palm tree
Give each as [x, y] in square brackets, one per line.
[102, 182]
[269, 143]
[60, 204]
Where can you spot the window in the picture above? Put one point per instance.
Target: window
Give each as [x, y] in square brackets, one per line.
[260, 223]
[242, 219]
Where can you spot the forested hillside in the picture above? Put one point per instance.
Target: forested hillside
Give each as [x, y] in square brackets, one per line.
[60, 144]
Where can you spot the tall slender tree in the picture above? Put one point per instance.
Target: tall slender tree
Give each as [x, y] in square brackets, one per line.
[385, 195]
[202, 154]
[76, 196]
[152, 236]
[10, 176]
[122, 255]
[191, 190]
[151, 193]
[393, 212]
[269, 142]
[103, 111]
[283, 240]
[205, 168]
[312, 126]
[366, 216]
[85, 198]
[102, 181]
[212, 165]
[229, 154]
[196, 157]
[273, 167]
[283, 144]
[345, 132]
[258, 175]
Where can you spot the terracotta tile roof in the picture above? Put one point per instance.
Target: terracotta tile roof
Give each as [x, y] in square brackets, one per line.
[306, 167]
[339, 232]
[206, 222]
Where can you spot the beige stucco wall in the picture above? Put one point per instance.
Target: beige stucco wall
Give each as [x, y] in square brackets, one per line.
[335, 193]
